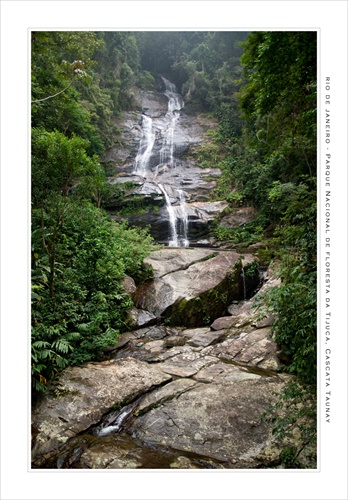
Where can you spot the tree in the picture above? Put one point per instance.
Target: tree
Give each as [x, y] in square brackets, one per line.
[57, 162]
[66, 90]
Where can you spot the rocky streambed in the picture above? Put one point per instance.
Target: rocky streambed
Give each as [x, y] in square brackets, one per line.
[168, 395]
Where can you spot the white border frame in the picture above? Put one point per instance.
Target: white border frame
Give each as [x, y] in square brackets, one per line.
[18, 482]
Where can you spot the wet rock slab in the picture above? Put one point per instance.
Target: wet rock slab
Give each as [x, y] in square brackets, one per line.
[186, 364]
[83, 394]
[202, 338]
[169, 260]
[221, 372]
[220, 421]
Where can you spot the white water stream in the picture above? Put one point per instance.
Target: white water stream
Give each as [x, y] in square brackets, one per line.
[175, 101]
[175, 104]
[184, 242]
[173, 219]
[147, 142]
[116, 423]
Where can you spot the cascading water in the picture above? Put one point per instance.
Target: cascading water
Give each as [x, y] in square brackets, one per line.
[115, 421]
[175, 103]
[178, 218]
[167, 151]
[147, 142]
[184, 218]
[174, 240]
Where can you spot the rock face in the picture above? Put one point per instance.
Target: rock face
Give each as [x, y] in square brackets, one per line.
[191, 285]
[168, 397]
[238, 217]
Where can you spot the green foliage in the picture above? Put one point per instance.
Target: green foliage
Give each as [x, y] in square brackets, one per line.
[79, 305]
[208, 155]
[249, 233]
[57, 162]
[295, 326]
[265, 255]
[268, 127]
[145, 80]
[251, 269]
[294, 302]
[294, 418]
[64, 60]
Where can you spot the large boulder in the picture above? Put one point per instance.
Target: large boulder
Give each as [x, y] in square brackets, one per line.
[198, 293]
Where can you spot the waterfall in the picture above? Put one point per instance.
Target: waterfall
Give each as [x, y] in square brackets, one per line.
[147, 142]
[178, 220]
[178, 217]
[167, 151]
[173, 242]
[175, 103]
[184, 216]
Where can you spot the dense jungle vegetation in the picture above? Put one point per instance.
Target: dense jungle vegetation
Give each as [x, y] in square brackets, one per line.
[261, 87]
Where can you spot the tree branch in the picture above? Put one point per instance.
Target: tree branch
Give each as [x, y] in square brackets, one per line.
[50, 97]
